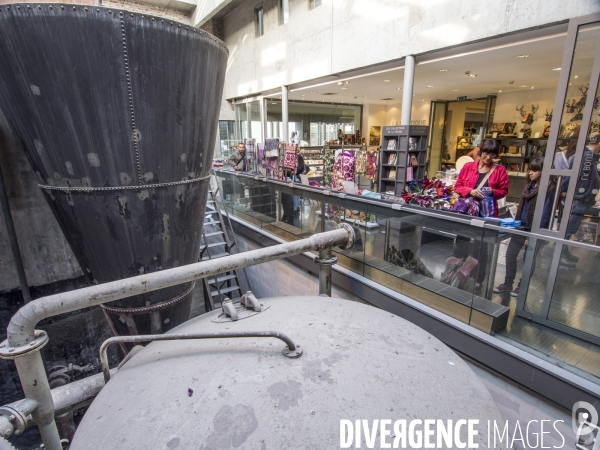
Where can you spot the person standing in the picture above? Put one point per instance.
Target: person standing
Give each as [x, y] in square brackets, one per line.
[238, 159]
[588, 184]
[524, 213]
[473, 178]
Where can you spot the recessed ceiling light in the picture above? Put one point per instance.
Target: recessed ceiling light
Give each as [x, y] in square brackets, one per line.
[532, 87]
[556, 68]
[443, 70]
[344, 88]
[313, 92]
[570, 84]
[523, 85]
[398, 89]
[347, 82]
[386, 81]
[576, 76]
[472, 75]
[454, 90]
[340, 83]
[500, 90]
[303, 95]
[422, 100]
[522, 56]
[429, 86]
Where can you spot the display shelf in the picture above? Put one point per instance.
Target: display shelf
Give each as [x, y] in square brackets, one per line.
[404, 150]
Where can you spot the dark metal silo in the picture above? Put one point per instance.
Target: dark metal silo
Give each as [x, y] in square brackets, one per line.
[117, 113]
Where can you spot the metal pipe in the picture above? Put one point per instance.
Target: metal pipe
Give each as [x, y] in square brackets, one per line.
[284, 114]
[326, 261]
[35, 386]
[407, 89]
[5, 445]
[14, 243]
[21, 327]
[23, 347]
[174, 337]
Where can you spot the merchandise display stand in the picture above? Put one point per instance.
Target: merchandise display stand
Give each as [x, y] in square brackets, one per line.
[403, 157]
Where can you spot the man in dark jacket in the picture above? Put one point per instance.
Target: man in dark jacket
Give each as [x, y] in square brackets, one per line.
[238, 159]
[586, 189]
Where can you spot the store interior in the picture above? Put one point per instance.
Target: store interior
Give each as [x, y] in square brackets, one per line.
[505, 92]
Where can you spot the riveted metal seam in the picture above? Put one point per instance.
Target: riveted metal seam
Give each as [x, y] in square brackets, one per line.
[121, 188]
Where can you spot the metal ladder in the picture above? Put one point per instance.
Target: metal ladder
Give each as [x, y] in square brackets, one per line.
[217, 243]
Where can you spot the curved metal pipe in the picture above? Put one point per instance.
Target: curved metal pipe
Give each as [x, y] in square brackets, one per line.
[173, 337]
[20, 330]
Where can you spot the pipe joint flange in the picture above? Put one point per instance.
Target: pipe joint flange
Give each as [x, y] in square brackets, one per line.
[8, 352]
[293, 354]
[18, 421]
[351, 236]
[326, 261]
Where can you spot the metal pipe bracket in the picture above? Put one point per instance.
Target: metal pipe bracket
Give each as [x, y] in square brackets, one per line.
[8, 352]
[351, 237]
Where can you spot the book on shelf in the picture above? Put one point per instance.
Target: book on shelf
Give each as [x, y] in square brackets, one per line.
[412, 159]
[392, 174]
[409, 174]
[391, 144]
[392, 158]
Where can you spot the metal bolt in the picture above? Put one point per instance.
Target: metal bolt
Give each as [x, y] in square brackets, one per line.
[11, 418]
[312, 413]
[17, 432]
[11, 350]
[32, 344]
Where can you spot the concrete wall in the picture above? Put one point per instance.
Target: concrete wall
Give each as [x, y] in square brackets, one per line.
[46, 255]
[342, 35]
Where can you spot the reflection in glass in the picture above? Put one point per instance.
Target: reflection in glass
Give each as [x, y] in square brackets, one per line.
[575, 295]
[570, 124]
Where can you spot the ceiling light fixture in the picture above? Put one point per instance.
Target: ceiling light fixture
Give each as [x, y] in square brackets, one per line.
[532, 87]
[443, 70]
[343, 88]
[340, 83]
[556, 68]
[313, 92]
[398, 89]
[523, 85]
[576, 76]
[472, 75]
[500, 90]
[386, 81]
[454, 90]
[521, 56]
[429, 86]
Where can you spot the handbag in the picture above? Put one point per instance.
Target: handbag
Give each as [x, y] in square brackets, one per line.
[486, 204]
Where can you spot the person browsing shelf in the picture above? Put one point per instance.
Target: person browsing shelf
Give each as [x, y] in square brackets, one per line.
[473, 173]
[238, 159]
[473, 178]
[524, 213]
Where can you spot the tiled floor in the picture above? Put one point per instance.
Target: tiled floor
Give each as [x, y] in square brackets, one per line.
[577, 307]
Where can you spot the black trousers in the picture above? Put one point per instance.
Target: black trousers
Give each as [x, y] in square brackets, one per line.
[512, 253]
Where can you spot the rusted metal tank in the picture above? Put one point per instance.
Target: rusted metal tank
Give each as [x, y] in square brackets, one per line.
[358, 363]
[117, 113]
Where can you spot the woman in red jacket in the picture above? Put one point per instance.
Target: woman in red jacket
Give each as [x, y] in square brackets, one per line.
[469, 184]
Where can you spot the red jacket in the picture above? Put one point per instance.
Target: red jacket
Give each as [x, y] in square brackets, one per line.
[467, 181]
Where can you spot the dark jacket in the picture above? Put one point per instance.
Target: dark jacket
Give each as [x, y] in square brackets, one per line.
[588, 180]
[237, 161]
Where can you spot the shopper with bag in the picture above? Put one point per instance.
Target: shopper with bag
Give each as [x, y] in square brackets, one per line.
[524, 213]
[476, 181]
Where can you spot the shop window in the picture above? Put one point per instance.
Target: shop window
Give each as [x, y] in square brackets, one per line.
[284, 11]
[314, 3]
[259, 20]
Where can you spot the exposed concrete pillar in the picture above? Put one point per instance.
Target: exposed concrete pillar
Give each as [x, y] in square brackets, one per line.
[407, 89]
[263, 118]
[284, 114]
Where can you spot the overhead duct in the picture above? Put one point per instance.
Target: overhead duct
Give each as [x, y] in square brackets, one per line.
[117, 113]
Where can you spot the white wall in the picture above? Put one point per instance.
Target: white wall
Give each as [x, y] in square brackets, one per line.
[342, 35]
[506, 105]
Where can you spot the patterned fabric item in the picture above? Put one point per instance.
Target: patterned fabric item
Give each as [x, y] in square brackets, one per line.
[291, 159]
[361, 162]
[406, 258]
[371, 164]
[328, 161]
[343, 170]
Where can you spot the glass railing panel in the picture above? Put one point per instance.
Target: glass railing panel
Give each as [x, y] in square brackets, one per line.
[576, 293]
[534, 258]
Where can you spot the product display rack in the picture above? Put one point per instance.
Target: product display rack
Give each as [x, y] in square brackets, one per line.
[403, 157]
[313, 156]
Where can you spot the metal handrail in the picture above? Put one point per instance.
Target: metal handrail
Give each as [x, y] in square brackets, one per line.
[395, 208]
